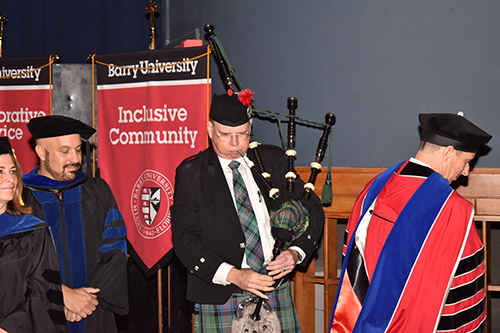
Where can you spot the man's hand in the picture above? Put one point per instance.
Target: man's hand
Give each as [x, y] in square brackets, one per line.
[79, 303]
[251, 281]
[283, 265]
[71, 316]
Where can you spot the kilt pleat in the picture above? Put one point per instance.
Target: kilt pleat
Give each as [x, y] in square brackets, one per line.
[218, 318]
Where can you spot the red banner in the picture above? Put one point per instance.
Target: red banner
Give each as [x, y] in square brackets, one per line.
[150, 119]
[24, 94]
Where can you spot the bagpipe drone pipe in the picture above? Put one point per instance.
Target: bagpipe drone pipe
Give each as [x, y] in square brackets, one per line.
[288, 214]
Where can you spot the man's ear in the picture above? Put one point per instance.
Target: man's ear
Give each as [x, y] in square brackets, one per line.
[40, 151]
[448, 151]
[210, 129]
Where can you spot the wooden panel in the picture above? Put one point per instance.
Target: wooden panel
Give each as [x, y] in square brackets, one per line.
[346, 185]
[330, 270]
[480, 183]
[340, 205]
[485, 206]
[345, 180]
[303, 298]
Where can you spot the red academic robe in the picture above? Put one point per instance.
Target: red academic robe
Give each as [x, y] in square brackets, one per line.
[416, 262]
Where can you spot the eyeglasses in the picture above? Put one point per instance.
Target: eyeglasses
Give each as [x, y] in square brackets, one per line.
[226, 137]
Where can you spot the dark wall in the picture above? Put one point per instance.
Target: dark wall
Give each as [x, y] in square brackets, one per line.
[375, 64]
[73, 29]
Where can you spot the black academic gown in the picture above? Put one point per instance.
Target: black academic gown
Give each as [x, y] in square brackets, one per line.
[91, 241]
[30, 286]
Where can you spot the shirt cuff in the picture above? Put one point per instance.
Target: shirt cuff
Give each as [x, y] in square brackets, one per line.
[300, 252]
[221, 274]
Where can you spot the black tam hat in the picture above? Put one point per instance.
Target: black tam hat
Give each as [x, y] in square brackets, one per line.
[229, 111]
[447, 129]
[57, 125]
[5, 147]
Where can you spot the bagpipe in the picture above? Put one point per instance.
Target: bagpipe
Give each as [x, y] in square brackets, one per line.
[288, 216]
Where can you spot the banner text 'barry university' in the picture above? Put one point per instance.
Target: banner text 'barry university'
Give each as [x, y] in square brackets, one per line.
[150, 118]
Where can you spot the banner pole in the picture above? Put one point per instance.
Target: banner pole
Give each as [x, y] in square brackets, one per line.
[169, 300]
[160, 301]
[53, 58]
[151, 10]
[3, 21]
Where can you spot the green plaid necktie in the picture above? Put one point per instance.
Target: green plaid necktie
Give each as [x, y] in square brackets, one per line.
[253, 248]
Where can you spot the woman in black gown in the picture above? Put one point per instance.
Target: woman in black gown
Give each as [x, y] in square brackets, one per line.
[30, 285]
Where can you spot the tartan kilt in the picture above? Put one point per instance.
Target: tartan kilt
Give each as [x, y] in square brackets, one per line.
[215, 318]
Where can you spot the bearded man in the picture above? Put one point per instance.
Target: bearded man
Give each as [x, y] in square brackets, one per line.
[88, 228]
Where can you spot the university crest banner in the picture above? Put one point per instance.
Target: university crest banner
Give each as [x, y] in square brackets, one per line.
[24, 94]
[152, 113]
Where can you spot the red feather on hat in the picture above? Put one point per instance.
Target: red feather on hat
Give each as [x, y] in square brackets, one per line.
[245, 97]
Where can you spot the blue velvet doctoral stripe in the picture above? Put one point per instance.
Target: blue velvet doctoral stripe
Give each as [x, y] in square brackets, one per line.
[374, 190]
[114, 233]
[113, 215]
[76, 327]
[76, 246]
[52, 216]
[75, 235]
[74, 238]
[15, 224]
[120, 245]
[392, 272]
[10, 224]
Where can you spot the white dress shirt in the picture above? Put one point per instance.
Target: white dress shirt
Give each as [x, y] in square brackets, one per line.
[261, 213]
